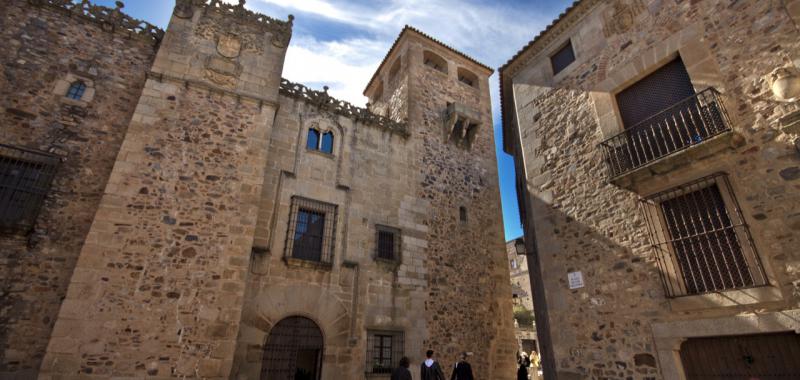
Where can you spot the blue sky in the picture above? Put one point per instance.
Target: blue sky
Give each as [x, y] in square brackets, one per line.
[340, 43]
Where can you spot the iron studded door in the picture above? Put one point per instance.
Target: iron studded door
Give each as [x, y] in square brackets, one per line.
[743, 357]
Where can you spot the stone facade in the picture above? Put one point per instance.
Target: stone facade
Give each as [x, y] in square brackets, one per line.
[579, 217]
[163, 248]
[522, 296]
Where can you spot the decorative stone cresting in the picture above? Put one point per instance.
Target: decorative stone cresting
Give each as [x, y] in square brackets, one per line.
[324, 101]
[107, 17]
[281, 31]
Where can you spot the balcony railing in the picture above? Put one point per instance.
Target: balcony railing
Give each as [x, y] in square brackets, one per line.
[689, 122]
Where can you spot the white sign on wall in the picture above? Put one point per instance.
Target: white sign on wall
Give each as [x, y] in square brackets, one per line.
[575, 280]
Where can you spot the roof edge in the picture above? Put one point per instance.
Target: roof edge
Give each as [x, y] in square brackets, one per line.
[574, 12]
[409, 28]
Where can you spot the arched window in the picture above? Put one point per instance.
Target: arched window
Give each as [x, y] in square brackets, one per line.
[313, 139]
[395, 69]
[76, 90]
[434, 61]
[467, 77]
[327, 143]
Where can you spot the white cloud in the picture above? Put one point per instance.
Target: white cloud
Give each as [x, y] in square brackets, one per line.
[490, 33]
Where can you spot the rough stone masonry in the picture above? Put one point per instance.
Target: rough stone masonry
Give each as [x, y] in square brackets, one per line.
[653, 294]
[201, 203]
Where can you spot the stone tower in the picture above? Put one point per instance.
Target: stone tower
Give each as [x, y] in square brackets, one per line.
[444, 97]
[159, 284]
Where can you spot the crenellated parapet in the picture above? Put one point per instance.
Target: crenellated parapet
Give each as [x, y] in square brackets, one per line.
[325, 101]
[111, 19]
[239, 16]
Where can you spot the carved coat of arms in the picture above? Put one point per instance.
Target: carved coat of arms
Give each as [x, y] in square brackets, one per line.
[229, 45]
[621, 17]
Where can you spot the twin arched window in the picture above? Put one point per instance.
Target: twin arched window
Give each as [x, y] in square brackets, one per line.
[76, 90]
[324, 144]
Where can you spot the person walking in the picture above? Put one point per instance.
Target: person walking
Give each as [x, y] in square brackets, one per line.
[535, 363]
[402, 372]
[430, 369]
[524, 363]
[462, 370]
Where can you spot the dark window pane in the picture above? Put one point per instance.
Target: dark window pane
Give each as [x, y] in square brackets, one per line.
[308, 235]
[23, 186]
[313, 139]
[76, 90]
[654, 93]
[386, 245]
[562, 58]
[327, 142]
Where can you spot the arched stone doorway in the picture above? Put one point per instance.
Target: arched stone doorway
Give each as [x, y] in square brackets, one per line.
[293, 351]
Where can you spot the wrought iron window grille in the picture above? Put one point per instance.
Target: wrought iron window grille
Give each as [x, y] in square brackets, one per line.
[384, 350]
[687, 123]
[25, 179]
[387, 245]
[700, 239]
[312, 230]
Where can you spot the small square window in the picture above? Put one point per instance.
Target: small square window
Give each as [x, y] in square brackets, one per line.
[76, 90]
[384, 350]
[388, 243]
[562, 58]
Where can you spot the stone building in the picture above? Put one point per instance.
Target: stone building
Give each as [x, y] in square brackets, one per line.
[658, 167]
[172, 208]
[521, 295]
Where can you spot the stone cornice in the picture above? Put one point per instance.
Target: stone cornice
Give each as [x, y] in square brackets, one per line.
[323, 101]
[108, 18]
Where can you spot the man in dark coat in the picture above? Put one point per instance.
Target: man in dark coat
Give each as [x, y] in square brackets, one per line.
[430, 369]
[462, 370]
[402, 372]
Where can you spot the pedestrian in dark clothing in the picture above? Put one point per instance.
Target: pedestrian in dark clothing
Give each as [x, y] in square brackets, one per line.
[402, 372]
[462, 369]
[524, 363]
[430, 369]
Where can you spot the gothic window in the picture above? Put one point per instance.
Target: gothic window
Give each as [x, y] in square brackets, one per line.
[384, 350]
[434, 61]
[562, 58]
[327, 143]
[467, 77]
[322, 142]
[76, 90]
[313, 139]
[311, 230]
[25, 177]
[388, 243]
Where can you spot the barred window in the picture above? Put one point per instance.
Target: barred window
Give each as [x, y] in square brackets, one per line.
[562, 58]
[388, 243]
[384, 350]
[311, 231]
[76, 90]
[701, 241]
[25, 178]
